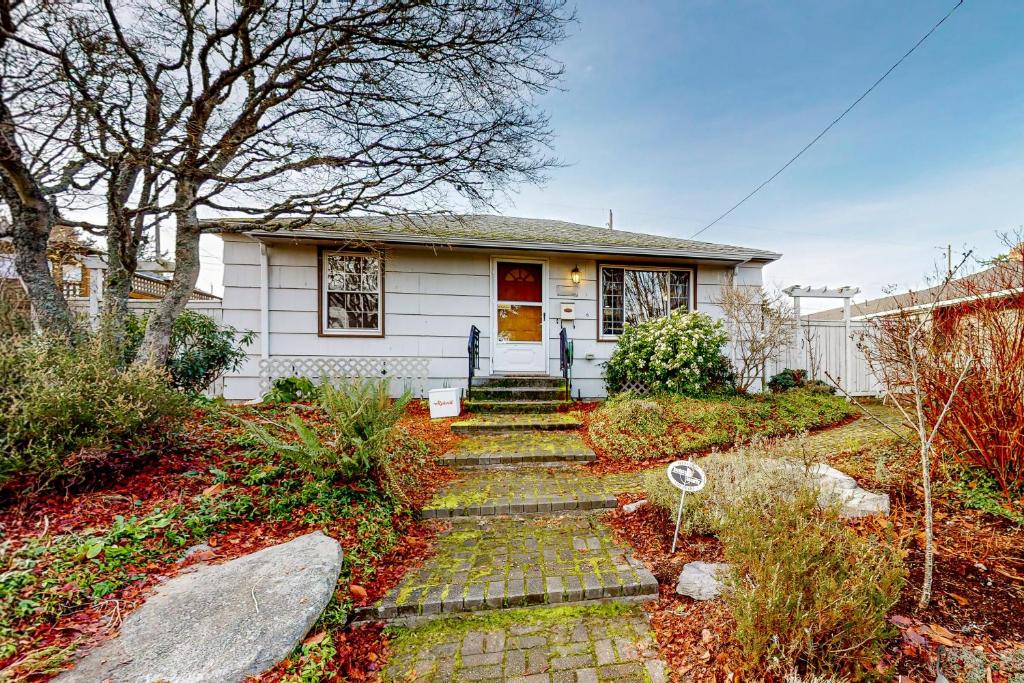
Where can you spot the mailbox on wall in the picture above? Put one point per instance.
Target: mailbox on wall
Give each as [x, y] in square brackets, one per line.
[568, 310]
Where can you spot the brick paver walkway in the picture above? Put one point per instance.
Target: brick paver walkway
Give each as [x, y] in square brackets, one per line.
[527, 584]
[582, 645]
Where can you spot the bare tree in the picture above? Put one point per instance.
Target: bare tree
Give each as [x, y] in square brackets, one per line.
[923, 376]
[298, 108]
[761, 326]
[288, 110]
[37, 165]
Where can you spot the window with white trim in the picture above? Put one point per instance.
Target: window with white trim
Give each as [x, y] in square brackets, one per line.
[633, 294]
[352, 284]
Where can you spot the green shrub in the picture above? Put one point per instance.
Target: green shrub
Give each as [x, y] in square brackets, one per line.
[66, 411]
[680, 354]
[290, 390]
[200, 349]
[628, 427]
[787, 379]
[808, 593]
[797, 379]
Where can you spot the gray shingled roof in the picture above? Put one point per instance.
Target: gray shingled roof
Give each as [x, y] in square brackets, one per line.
[499, 231]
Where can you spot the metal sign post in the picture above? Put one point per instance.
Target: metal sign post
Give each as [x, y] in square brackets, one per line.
[687, 476]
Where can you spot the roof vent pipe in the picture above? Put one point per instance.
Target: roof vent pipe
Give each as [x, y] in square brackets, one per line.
[611, 220]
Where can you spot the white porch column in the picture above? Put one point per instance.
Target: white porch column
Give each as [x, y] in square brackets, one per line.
[264, 302]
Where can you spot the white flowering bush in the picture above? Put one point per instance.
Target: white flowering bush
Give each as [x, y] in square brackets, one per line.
[677, 354]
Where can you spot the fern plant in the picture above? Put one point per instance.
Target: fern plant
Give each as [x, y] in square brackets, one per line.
[323, 458]
[356, 446]
[365, 416]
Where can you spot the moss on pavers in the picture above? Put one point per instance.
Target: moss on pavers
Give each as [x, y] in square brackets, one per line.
[516, 562]
[598, 643]
[522, 489]
[519, 447]
[509, 406]
[516, 422]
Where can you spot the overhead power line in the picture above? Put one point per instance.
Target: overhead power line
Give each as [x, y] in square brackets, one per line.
[834, 121]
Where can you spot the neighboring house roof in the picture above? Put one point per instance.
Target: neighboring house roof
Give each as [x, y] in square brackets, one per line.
[148, 282]
[991, 281]
[505, 232]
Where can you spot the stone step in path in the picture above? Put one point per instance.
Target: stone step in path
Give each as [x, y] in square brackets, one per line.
[519, 447]
[517, 562]
[561, 645]
[527, 584]
[491, 424]
[521, 489]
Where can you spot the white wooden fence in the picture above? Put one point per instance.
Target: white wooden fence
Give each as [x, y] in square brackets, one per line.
[820, 348]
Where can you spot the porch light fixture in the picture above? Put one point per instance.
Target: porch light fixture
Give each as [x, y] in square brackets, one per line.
[575, 275]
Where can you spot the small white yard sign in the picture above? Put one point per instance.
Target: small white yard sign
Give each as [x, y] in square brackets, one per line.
[687, 476]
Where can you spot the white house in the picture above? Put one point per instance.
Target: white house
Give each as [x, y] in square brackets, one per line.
[398, 297]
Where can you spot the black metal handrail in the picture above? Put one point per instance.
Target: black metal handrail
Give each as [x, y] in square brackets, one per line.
[473, 350]
[565, 361]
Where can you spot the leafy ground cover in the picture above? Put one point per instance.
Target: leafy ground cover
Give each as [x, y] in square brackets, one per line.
[979, 583]
[72, 565]
[627, 429]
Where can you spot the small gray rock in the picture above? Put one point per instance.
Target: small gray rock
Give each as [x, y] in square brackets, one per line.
[221, 623]
[195, 550]
[702, 580]
[633, 507]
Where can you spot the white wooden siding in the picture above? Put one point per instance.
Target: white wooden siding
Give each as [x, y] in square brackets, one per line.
[431, 297]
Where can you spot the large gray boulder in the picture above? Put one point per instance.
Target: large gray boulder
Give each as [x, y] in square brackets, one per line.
[702, 580]
[221, 623]
[837, 487]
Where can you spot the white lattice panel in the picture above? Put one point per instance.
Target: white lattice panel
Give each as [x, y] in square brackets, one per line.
[403, 372]
[635, 387]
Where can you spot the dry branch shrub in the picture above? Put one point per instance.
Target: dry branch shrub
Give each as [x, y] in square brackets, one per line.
[809, 595]
[985, 425]
[730, 477]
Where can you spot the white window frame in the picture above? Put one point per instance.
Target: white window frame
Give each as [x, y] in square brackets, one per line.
[601, 336]
[325, 330]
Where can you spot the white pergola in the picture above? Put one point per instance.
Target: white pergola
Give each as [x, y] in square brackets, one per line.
[846, 293]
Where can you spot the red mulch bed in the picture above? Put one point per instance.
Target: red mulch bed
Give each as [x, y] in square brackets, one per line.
[172, 476]
[977, 600]
[695, 638]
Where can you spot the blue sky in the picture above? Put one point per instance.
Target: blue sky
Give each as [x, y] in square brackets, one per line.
[672, 111]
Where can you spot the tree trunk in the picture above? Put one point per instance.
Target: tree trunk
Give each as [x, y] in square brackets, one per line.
[156, 343]
[32, 218]
[122, 255]
[929, 526]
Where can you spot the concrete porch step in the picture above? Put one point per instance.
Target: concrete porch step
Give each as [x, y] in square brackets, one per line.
[517, 562]
[489, 424]
[519, 381]
[515, 406]
[491, 393]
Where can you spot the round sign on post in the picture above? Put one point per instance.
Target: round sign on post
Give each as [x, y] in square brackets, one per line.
[688, 477]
